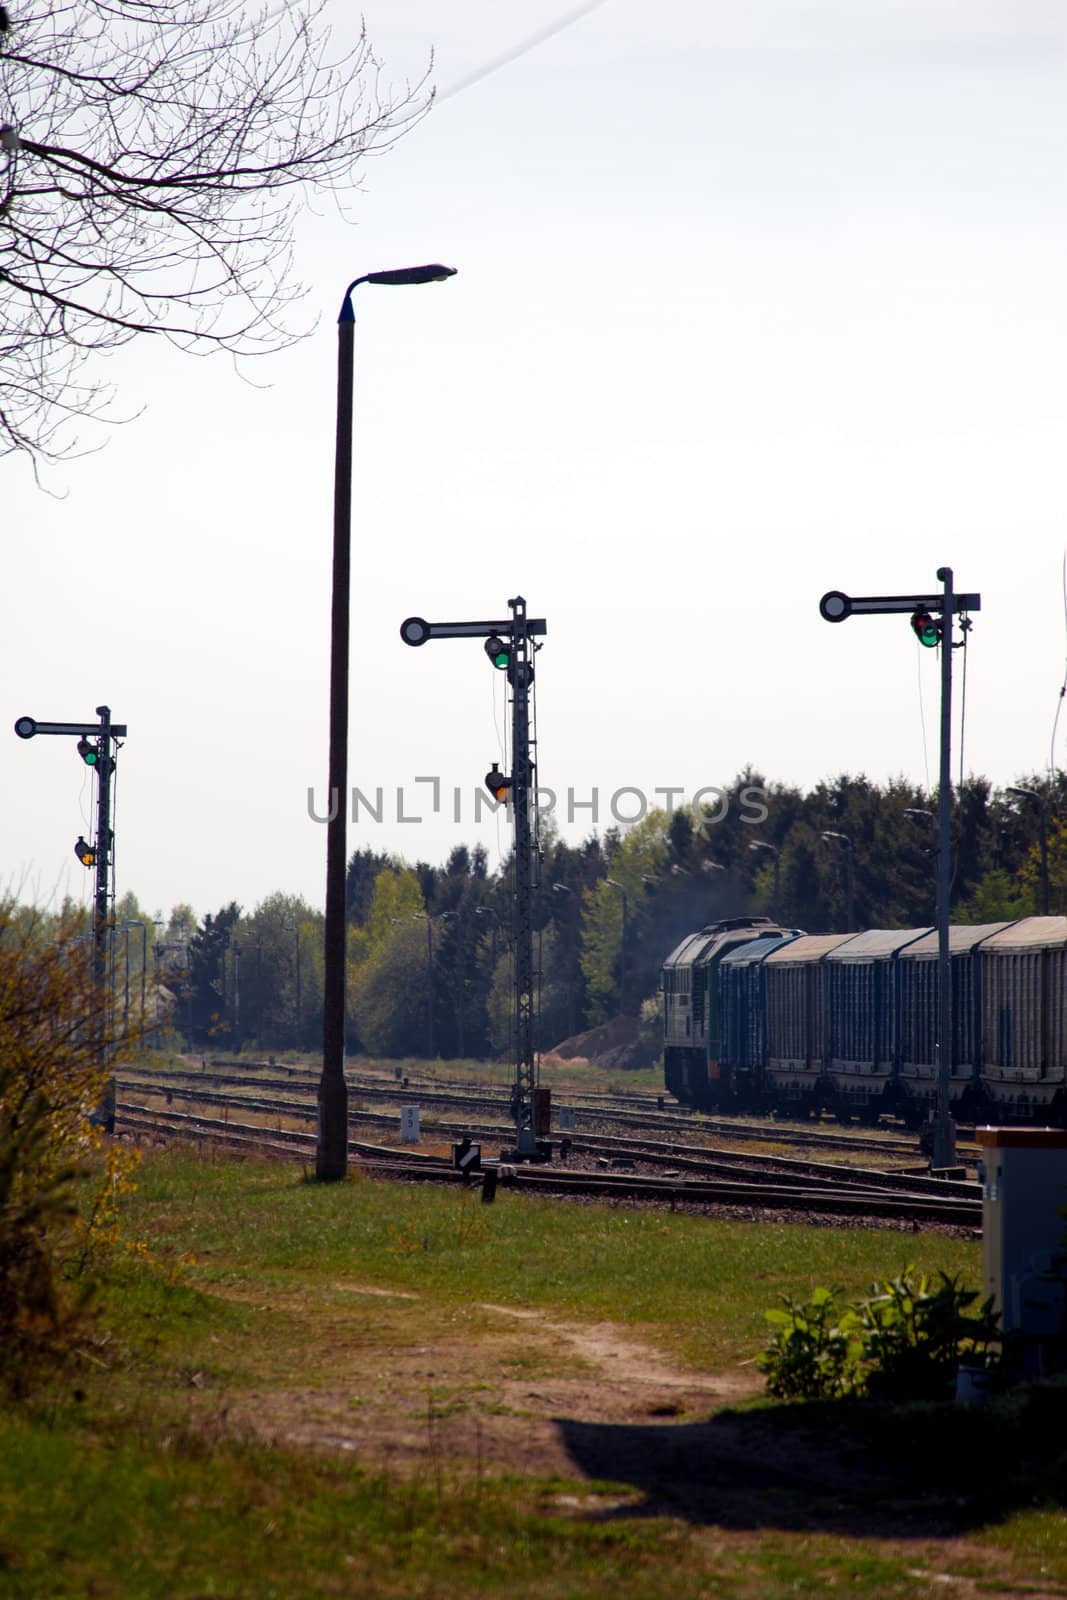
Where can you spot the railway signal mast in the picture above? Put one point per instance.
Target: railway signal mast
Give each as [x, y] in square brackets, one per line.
[510, 647]
[98, 744]
[931, 620]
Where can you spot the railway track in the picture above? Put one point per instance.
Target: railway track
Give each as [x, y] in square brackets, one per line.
[649, 1151]
[841, 1193]
[689, 1123]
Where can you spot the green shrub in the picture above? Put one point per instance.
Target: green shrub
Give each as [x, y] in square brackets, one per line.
[810, 1356]
[914, 1336]
[904, 1342]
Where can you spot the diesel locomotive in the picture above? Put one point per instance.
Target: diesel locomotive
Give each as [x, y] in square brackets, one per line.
[760, 1017]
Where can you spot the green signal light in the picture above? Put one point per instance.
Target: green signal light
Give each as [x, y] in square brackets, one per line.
[926, 628]
[498, 652]
[88, 752]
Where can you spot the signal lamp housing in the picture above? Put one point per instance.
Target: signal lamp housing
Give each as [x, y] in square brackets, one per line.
[498, 785]
[499, 652]
[926, 627]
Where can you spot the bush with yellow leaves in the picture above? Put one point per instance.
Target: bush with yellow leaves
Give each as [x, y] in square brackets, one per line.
[59, 1044]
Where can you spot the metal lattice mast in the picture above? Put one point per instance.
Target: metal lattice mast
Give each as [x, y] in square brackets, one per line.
[924, 609]
[522, 790]
[510, 647]
[105, 767]
[96, 743]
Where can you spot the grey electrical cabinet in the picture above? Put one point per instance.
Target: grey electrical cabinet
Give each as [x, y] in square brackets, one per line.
[1024, 1228]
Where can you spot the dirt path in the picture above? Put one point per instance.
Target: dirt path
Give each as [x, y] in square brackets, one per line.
[396, 1382]
[489, 1394]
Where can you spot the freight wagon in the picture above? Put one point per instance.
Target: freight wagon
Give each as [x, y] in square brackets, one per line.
[762, 1017]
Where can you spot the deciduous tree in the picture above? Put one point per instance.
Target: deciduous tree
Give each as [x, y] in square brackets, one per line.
[153, 157]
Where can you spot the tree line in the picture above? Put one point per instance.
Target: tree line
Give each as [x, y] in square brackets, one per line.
[430, 953]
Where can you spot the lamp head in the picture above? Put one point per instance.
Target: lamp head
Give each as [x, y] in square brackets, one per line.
[432, 273]
[401, 275]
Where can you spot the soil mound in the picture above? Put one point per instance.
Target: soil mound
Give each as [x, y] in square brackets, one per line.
[615, 1043]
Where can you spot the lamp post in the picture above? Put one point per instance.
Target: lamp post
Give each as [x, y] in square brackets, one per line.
[761, 844]
[572, 902]
[126, 926]
[1042, 824]
[295, 930]
[461, 1019]
[920, 815]
[331, 1155]
[237, 948]
[850, 914]
[622, 949]
[156, 923]
[424, 916]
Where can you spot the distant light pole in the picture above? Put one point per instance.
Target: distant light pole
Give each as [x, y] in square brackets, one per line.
[258, 948]
[424, 916]
[761, 844]
[1040, 801]
[156, 923]
[125, 927]
[918, 814]
[294, 928]
[622, 949]
[236, 996]
[491, 911]
[850, 915]
[572, 902]
[461, 1039]
[331, 1155]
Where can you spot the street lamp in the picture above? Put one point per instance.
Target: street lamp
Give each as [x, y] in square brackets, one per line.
[572, 987]
[1042, 824]
[294, 928]
[331, 1156]
[258, 948]
[424, 916]
[843, 838]
[125, 928]
[761, 844]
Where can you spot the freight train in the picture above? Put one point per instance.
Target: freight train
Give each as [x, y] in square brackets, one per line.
[760, 1017]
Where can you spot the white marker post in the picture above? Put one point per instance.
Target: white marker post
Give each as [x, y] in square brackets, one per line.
[409, 1124]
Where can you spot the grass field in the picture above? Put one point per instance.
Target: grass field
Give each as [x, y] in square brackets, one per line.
[389, 1390]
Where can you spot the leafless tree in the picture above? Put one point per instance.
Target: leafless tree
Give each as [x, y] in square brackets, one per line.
[153, 157]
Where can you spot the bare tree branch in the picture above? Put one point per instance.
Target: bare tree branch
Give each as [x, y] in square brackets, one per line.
[154, 156]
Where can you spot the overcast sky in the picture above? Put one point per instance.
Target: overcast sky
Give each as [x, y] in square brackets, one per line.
[753, 301]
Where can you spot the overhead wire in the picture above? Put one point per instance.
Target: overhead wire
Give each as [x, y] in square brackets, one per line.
[922, 712]
[1063, 688]
[549, 31]
[535, 847]
[90, 776]
[502, 740]
[965, 627]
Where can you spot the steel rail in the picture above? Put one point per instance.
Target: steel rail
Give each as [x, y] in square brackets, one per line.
[776, 1197]
[691, 1157]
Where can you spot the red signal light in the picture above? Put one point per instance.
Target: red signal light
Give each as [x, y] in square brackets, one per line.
[926, 627]
[498, 785]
